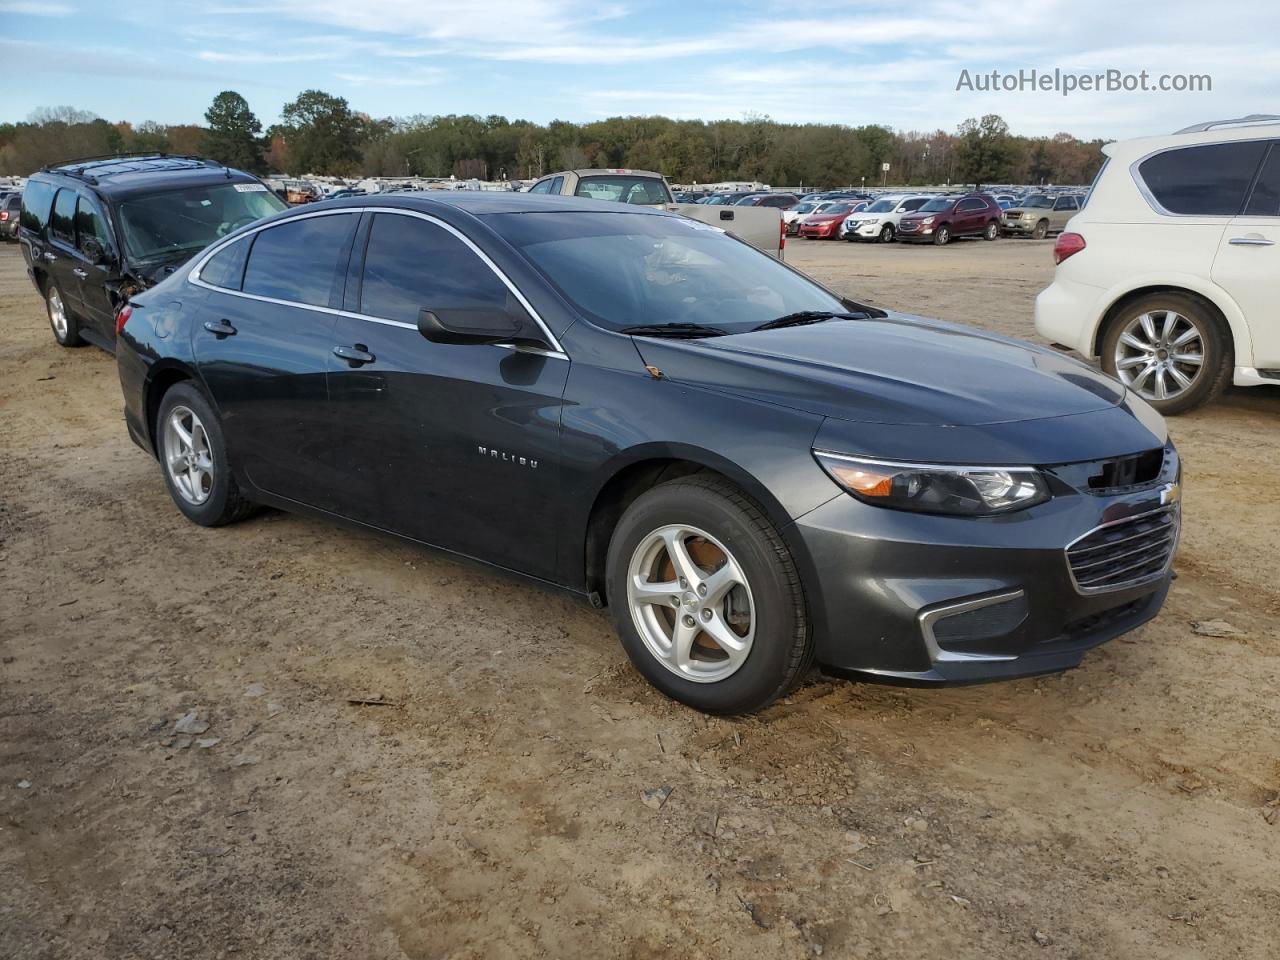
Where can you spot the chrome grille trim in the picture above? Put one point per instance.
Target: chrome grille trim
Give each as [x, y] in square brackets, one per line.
[1142, 545]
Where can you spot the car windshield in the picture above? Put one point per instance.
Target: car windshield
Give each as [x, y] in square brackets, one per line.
[1040, 200]
[937, 205]
[804, 207]
[186, 220]
[882, 206]
[646, 191]
[625, 270]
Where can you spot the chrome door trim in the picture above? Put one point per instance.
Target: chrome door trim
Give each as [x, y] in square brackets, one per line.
[193, 277]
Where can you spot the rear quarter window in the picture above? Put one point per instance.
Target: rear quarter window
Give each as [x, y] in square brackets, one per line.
[301, 261]
[37, 200]
[1208, 180]
[226, 267]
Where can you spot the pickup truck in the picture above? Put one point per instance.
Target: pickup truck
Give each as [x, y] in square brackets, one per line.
[759, 226]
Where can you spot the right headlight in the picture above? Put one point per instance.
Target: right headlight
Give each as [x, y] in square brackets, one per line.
[936, 488]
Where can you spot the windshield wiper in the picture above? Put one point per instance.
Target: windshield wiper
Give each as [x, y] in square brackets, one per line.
[802, 317]
[681, 331]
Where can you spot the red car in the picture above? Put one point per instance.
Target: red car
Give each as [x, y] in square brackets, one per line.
[826, 225]
[944, 218]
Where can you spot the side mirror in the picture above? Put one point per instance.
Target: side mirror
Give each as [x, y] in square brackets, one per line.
[477, 325]
[92, 248]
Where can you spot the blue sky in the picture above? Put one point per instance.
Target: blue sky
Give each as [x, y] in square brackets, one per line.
[895, 63]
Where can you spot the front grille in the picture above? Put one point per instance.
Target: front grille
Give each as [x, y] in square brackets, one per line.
[1126, 553]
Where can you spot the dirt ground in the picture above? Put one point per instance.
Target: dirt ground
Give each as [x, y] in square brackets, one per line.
[1127, 809]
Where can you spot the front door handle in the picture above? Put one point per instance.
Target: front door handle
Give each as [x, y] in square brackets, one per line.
[220, 328]
[79, 273]
[50, 256]
[1251, 240]
[357, 355]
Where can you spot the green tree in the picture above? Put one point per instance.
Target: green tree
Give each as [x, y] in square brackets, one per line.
[985, 152]
[323, 134]
[234, 131]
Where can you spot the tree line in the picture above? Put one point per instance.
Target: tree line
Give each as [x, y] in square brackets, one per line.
[319, 133]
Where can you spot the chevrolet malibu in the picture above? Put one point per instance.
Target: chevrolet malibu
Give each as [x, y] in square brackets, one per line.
[749, 471]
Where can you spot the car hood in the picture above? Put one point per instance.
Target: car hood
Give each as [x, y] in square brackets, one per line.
[893, 370]
[825, 217]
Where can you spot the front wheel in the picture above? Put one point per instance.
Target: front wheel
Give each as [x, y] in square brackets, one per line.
[706, 597]
[887, 233]
[193, 459]
[1041, 230]
[992, 231]
[1171, 349]
[942, 236]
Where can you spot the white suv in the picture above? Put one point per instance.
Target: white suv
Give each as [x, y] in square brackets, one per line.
[880, 220]
[1171, 271]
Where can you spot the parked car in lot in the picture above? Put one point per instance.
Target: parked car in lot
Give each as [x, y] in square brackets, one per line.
[783, 201]
[825, 224]
[879, 220]
[10, 209]
[812, 479]
[792, 216]
[94, 232]
[1039, 215]
[943, 219]
[759, 226]
[1170, 273]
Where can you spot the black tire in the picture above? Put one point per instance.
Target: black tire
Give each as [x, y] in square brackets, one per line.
[887, 233]
[70, 335]
[942, 236]
[782, 650]
[1041, 230]
[992, 232]
[1219, 353]
[225, 503]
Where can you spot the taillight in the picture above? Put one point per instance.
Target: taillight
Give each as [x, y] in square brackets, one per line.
[4, 215]
[1068, 245]
[782, 235]
[123, 317]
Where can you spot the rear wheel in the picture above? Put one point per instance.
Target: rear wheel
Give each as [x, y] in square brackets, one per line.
[66, 328]
[193, 459]
[1171, 349]
[1041, 231]
[942, 236]
[706, 597]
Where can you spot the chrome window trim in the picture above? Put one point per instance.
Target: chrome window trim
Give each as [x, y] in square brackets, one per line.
[928, 618]
[1174, 510]
[956, 467]
[193, 277]
[1160, 208]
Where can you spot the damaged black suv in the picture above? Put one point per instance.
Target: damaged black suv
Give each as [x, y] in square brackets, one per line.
[96, 231]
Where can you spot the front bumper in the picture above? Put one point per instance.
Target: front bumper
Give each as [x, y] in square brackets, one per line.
[819, 233]
[918, 234]
[1019, 226]
[919, 598]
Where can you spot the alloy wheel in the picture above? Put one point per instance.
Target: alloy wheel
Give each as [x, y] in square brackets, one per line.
[57, 314]
[1160, 354]
[188, 456]
[691, 603]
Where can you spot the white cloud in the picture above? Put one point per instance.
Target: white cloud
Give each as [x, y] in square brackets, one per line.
[31, 9]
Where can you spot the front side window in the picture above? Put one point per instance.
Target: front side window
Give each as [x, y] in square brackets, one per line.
[881, 206]
[625, 269]
[62, 224]
[412, 264]
[1207, 181]
[542, 186]
[179, 222]
[1065, 203]
[621, 188]
[969, 206]
[937, 206]
[91, 223]
[556, 184]
[302, 261]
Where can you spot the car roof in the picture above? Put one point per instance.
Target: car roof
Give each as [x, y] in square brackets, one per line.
[126, 174]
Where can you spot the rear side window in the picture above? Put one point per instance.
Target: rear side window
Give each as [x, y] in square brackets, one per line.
[226, 267]
[413, 264]
[62, 224]
[913, 205]
[37, 198]
[1207, 181]
[303, 261]
[1265, 200]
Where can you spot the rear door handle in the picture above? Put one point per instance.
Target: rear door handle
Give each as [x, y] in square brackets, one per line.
[220, 328]
[79, 273]
[1251, 240]
[356, 356]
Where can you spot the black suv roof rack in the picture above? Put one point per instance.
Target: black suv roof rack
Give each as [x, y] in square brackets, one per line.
[83, 168]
